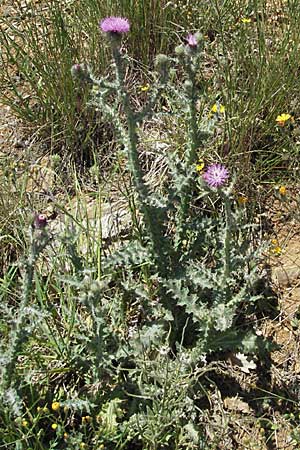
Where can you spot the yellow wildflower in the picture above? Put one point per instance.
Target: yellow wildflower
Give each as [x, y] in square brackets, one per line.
[246, 20]
[276, 250]
[282, 190]
[82, 445]
[54, 426]
[45, 409]
[66, 435]
[55, 406]
[200, 165]
[218, 108]
[242, 200]
[24, 423]
[86, 419]
[282, 119]
[39, 409]
[145, 88]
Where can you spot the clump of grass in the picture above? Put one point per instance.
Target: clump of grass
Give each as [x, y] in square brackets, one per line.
[13, 205]
[41, 42]
[257, 84]
[251, 68]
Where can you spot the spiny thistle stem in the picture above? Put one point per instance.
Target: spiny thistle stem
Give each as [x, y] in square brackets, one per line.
[131, 144]
[227, 238]
[193, 132]
[39, 238]
[192, 141]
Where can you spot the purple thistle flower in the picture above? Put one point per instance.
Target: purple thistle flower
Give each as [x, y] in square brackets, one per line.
[40, 221]
[216, 175]
[192, 40]
[117, 25]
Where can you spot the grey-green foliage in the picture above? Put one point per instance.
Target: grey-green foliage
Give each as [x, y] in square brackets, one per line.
[167, 414]
[22, 327]
[203, 269]
[25, 320]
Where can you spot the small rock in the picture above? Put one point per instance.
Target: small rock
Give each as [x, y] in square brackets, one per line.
[285, 276]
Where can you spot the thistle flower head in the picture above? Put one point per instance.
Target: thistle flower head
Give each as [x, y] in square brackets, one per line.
[192, 40]
[216, 175]
[40, 221]
[117, 25]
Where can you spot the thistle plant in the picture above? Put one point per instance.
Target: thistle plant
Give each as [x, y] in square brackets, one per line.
[114, 27]
[202, 270]
[122, 339]
[189, 58]
[22, 328]
[150, 205]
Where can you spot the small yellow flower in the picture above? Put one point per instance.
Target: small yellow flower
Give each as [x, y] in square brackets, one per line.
[45, 409]
[54, 426]
[282, 190]
[246, 20]
[39, 409]
[66, 435]
[145, 88]
[55, 406]
[200, 165]
[82, 445]
[86, 419]
[276, 250]
[24, 423]
[242, 200]
[218, 108]
[282, 119]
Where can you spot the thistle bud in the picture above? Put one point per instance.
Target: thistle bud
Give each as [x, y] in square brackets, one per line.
[40, 221]
[81, 72]
[162, 65]
[188, 84]
[180, 50]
